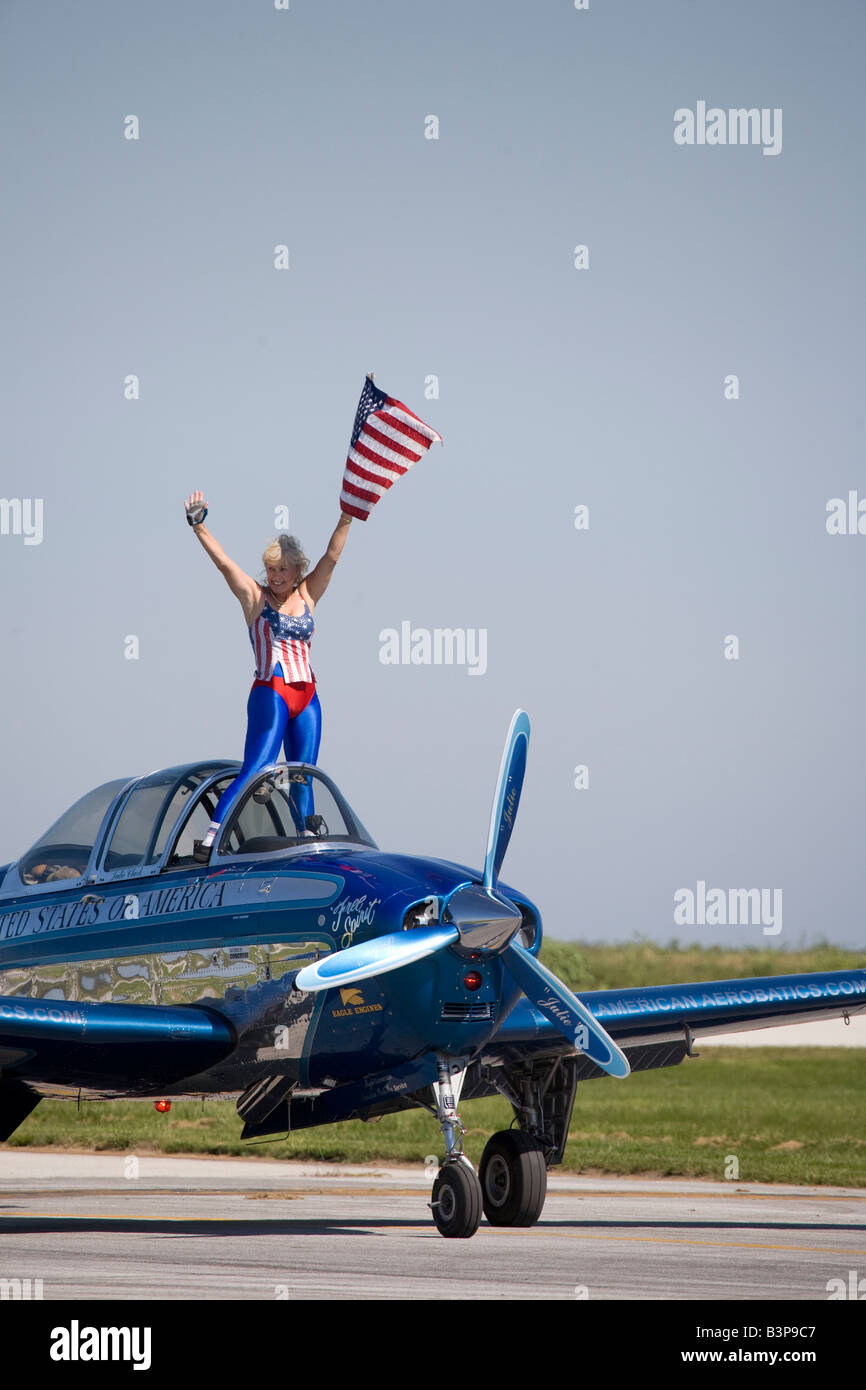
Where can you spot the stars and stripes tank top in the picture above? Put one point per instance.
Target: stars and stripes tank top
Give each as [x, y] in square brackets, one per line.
[278, 638]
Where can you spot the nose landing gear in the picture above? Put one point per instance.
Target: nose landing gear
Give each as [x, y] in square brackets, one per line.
[511, 1184]
[456, 1202]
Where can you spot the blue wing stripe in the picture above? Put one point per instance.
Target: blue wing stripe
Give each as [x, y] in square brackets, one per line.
[718, 1004]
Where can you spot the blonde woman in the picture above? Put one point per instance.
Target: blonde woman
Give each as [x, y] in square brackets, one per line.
[283, 707]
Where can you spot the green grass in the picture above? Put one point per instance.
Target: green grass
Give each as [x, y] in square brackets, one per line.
[688, 1120]
[792, 1115]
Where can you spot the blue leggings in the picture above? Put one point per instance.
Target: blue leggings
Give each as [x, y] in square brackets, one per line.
[268, 726]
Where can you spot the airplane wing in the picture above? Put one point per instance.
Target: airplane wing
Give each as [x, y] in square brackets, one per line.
[130, 1047]
[656, 1024]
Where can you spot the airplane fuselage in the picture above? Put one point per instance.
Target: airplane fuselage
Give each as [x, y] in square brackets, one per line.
[229, 940]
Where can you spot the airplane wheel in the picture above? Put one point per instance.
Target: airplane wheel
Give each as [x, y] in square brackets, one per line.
[457, 1200]
[513, 1177]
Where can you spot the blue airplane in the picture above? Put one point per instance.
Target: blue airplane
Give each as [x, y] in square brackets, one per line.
[316, 978]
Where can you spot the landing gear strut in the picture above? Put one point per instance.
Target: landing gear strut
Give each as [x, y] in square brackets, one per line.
[456, 1202]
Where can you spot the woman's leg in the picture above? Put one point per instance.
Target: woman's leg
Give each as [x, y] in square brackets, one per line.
[303, 736]
[267, 717]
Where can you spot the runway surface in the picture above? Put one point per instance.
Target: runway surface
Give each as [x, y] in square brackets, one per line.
[119, 1227]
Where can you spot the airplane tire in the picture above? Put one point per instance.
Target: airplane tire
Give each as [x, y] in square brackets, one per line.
[457, 1202]
[513, 1177]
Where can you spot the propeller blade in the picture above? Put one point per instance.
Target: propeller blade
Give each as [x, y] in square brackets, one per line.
[374, 957]
[507, 797]
[564, 1010]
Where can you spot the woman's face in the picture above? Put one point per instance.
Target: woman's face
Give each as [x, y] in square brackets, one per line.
[281, 578]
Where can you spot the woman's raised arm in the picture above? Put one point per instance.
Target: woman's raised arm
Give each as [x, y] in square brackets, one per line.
[244, 588]
[319, 578]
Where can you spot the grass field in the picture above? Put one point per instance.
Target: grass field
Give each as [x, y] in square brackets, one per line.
[793, 1115]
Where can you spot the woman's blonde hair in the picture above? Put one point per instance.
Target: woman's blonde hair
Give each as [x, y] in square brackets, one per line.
[286, 550]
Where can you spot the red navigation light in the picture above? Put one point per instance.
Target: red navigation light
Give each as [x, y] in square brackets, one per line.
[472, 980]
[162, 1106]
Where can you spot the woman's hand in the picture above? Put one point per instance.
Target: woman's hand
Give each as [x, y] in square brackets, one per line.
[196, 508]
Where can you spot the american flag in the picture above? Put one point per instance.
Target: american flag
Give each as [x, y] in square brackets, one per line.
[386, 440]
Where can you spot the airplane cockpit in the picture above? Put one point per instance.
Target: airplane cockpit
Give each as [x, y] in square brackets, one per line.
[143, 826]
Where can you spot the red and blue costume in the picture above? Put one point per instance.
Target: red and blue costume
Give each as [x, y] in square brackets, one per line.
[283, 707]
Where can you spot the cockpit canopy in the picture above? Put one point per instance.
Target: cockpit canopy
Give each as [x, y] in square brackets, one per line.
[146, 825]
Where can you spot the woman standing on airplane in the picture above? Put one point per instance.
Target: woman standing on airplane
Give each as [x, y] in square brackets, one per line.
[283, 706]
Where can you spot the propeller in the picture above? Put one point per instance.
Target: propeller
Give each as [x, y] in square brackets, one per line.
[564, 1010]
[506, 799]
[476, 920]
[374, 957]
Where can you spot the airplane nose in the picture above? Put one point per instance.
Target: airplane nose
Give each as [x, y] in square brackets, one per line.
[485, 921]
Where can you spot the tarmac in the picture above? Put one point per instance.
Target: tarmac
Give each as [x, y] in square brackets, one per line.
[122, 1227]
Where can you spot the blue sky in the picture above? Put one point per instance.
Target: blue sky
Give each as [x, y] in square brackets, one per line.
[557, 387]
